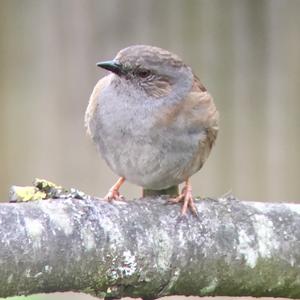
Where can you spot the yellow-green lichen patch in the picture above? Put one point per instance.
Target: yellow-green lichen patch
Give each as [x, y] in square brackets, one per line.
[25, 194]
[45, 185]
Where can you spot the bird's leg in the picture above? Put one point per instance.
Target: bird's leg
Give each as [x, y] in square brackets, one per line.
[187, 198]
[113, 193]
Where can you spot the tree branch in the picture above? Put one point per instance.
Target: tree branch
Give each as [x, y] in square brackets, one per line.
[143, 248]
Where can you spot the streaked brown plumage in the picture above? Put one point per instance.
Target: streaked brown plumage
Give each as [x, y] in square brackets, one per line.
[152, 121]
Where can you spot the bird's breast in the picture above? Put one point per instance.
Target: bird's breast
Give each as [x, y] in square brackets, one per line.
[142, 142]
[148, 156]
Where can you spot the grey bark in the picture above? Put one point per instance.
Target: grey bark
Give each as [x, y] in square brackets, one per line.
[144, 248]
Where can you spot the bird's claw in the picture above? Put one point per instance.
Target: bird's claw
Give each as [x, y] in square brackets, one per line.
[114, 194]
[188, 201]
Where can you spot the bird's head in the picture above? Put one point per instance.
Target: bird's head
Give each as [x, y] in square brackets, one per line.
[152, 70]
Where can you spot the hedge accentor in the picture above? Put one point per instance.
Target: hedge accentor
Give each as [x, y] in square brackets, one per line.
[153, 121]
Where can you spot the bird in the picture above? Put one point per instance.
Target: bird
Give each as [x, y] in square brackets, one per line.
[153, 122]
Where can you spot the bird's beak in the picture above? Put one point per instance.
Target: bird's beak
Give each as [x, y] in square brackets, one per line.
[111, 65]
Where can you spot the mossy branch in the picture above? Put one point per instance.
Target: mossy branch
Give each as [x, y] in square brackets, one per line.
[144, 248]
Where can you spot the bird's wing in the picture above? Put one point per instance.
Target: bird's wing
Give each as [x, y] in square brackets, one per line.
[90, 116]
[195, 119]
[195, 113]
[201, 120]
[203, 110]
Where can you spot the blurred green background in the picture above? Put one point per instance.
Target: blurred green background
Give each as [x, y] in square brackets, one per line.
[246, 52]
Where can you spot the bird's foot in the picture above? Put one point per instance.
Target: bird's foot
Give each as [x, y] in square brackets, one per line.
[113, 193]
[187, 198]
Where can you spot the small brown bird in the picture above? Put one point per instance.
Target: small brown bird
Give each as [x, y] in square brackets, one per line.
[153, 122]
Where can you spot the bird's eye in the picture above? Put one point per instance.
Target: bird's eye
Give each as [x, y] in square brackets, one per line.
[143, 73]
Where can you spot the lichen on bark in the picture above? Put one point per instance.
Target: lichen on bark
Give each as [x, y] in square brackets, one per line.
[144, 248]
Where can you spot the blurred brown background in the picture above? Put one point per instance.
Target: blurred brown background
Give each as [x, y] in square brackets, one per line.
[247, 53]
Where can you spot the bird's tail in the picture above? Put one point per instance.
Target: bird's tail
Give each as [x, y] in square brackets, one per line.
[171, 191]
